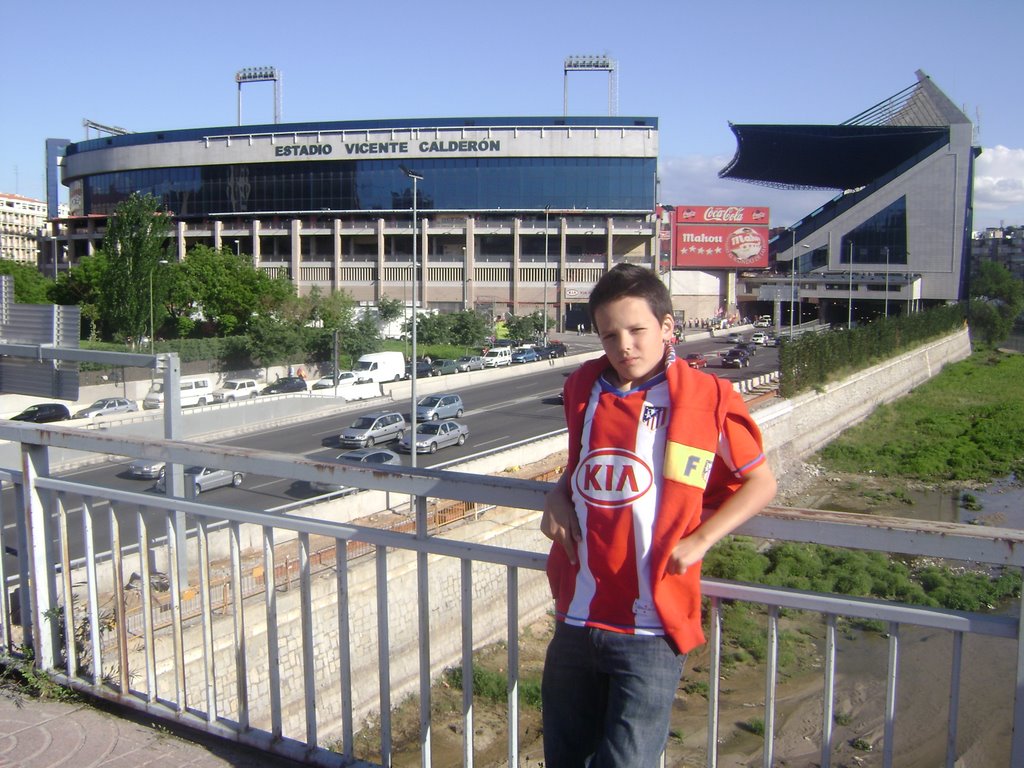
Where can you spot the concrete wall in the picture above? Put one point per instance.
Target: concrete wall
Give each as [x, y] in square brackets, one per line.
[796, 428]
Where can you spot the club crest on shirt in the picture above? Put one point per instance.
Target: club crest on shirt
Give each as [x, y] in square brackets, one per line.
[653, 416]
[612, 477]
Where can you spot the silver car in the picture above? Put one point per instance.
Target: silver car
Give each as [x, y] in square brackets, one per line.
[147, 469]
[107, 405]
[372, 456]
[373, 428]
[203, 479]
[440, 406]
[470, 363]
[435, 434]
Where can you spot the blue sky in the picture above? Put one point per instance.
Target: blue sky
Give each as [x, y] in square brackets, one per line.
[695, 66]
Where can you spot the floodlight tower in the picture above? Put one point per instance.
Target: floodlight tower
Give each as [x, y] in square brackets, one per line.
[592, 64]
[258, 75]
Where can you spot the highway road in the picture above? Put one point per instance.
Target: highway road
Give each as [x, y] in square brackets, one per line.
[518, 407]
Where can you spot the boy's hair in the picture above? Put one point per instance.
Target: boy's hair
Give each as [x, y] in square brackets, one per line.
[631, 280]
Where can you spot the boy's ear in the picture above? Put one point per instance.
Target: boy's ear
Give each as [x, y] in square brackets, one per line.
[668, 323]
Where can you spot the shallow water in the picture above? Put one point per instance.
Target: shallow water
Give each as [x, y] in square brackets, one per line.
[1001, 505]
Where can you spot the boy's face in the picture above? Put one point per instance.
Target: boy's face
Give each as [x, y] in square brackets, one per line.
[633, 338]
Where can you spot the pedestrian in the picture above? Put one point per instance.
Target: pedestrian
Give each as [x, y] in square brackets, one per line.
[663, 461]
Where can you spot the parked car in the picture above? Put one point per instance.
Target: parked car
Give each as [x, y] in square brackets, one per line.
[764, 321]
[443, 367]
[696, 360]
[525, 356]
[497, 356]
[552, 350]
[147, 469]
[735, 358]
[285, 384]
[432, 435]
[470, 363]
[423, 369]
[373, 428]
[236, 389]
[345, 379]
[375, 456]
[440, 406]
[107, 405]
[43, 413]
[203, 479]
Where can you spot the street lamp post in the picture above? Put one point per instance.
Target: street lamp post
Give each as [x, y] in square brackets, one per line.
[849, 293]
[792, 283]
[547, 210]
[886, 249]
[151, 328]
[412, 369]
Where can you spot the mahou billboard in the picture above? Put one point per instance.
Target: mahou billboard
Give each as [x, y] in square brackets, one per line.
[720, 236]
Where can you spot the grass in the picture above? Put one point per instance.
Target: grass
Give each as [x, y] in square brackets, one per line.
[966, 424]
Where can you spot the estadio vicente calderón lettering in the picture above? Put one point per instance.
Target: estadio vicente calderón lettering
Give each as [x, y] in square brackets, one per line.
[463, 146]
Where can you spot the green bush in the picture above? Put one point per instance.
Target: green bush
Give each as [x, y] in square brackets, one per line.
[812, 360]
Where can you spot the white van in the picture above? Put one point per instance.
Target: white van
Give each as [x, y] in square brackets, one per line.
[381, 366]
[195, 390]
[497, 357]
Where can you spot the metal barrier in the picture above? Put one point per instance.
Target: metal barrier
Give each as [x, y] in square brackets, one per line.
[288, 630]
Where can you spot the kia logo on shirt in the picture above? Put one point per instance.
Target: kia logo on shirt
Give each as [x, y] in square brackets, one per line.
[612, 477]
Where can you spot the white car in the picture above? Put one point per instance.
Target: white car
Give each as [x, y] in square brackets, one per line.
[760, 338]
[345, 379]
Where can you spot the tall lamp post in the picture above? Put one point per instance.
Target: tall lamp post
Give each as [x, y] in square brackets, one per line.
[151, 328]
[792, 284]
[412, 369]
[886, 249]
[547, 210]
[849, 293]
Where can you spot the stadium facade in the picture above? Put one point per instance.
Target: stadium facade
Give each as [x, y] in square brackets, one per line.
[514, 214]
[523, 214]
[896, 238]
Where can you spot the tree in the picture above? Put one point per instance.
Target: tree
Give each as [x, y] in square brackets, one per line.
[527, 327]
[469, 328]
[30, 286]
[997, 298]
[134, 245]
[272, 342]
[83, 285]
[223, 288]
[389, 309]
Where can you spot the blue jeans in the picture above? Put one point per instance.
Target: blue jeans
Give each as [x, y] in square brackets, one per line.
[607, 698]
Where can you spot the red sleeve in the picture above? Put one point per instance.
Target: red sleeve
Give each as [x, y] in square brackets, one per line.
[740, 450]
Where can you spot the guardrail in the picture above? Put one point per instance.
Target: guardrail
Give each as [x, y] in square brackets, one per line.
[289, 652]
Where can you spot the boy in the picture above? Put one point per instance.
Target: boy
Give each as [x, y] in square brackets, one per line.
[663, 462]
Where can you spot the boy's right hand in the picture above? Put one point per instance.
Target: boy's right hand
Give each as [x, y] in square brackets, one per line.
[559, 521]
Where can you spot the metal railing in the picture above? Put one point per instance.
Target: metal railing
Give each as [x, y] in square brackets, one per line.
[286, 631]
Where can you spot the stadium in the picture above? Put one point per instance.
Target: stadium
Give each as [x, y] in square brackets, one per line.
[516, 215]
[513, 214]
[897, 236]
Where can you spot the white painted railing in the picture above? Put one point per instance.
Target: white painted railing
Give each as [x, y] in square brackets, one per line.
[288, 630]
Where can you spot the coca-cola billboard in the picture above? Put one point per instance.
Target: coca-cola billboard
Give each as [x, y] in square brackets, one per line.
[720, 236]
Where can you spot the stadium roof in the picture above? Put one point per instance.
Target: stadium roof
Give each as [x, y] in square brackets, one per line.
[850, 155]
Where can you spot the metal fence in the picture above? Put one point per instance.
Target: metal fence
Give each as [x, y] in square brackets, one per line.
[286, 632]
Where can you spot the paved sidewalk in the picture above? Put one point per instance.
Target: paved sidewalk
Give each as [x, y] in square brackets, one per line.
[36, 733]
